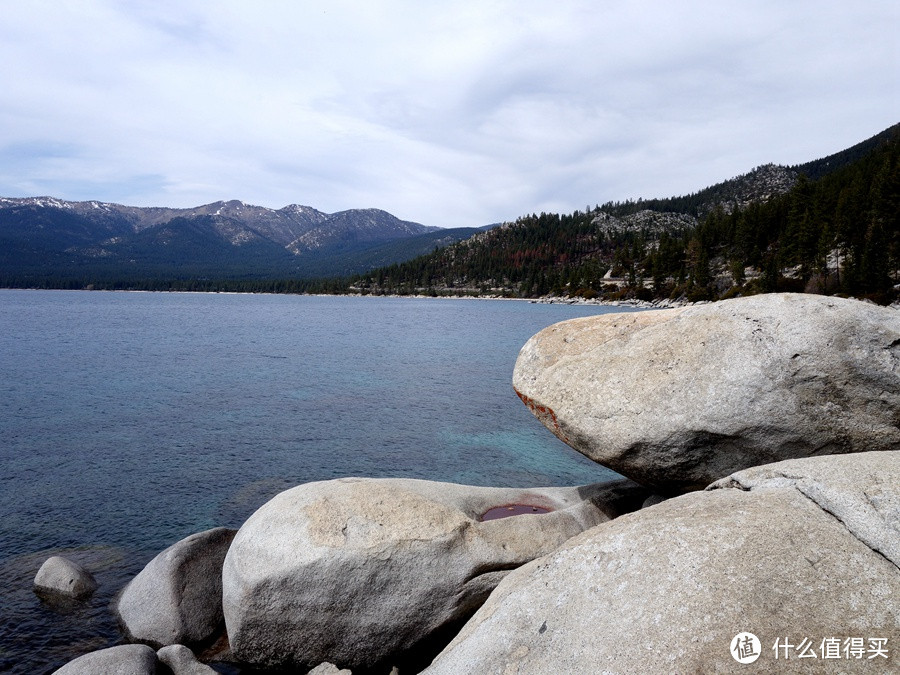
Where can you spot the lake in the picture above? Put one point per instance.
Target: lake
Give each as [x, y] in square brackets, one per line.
[131, 420]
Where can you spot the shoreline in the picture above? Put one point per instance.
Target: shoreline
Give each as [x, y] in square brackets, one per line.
[546, 300]
[663, 303]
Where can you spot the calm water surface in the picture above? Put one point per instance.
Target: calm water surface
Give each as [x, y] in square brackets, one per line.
[130, 420]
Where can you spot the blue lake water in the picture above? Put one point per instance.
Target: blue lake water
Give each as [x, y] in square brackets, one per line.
[130, 420]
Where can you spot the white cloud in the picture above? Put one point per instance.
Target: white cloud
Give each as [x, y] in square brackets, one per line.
[447, 113]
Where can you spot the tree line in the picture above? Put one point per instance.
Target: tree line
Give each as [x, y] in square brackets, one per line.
[838, 233]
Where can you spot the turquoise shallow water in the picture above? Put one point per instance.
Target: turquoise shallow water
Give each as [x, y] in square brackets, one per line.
[130, 420]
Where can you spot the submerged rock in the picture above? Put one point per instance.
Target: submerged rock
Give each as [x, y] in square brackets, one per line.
[177, 597]
[677, 398]
[666, 589]
[121, 660]
[64, 577]
[370, 573]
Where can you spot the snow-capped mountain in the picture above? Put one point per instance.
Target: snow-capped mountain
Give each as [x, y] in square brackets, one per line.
[45, 233]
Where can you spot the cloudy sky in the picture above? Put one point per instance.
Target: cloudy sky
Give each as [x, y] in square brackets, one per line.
[451, 113]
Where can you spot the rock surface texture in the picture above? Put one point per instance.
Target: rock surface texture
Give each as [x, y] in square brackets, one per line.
[667, 588]
[62, 576]
[177, 597]
[862, 491]
[121, 660]
[677, 398]
[371, 573]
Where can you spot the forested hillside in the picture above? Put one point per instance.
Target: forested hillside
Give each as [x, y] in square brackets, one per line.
[829, 226]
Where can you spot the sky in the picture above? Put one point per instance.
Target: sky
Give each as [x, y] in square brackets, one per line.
[451, 113]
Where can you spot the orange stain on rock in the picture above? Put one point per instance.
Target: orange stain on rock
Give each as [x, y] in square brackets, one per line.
[545, 414]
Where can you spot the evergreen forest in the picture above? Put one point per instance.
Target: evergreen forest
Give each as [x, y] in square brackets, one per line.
[834, 230]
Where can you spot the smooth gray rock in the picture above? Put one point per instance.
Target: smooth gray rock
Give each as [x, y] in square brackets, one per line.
[121, 660]
[363, 572]
[66, 577]
[678, 398]
[181, 661]
[177, 597]
[860, 490]
[666, 589]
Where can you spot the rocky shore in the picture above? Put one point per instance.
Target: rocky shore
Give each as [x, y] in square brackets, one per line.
[758, 522]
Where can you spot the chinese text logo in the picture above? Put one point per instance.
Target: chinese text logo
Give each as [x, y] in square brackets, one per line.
[745, 648]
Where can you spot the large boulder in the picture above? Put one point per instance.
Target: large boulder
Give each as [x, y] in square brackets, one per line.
[61, 576]
[677, 398]
[177, 597]
[369, 573]
[121, 660]
[668, 588]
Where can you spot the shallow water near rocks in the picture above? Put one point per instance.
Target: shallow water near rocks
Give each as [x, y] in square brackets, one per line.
[131, 420]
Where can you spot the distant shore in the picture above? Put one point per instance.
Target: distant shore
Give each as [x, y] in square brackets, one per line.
[547, 300]
[664, 303]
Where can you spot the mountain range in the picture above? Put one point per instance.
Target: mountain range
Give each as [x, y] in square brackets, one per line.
[45, 237]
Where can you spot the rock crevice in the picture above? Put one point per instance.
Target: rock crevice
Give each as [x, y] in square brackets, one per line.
[859, 491]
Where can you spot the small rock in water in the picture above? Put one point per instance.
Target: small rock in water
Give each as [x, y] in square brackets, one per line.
[62, 576]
